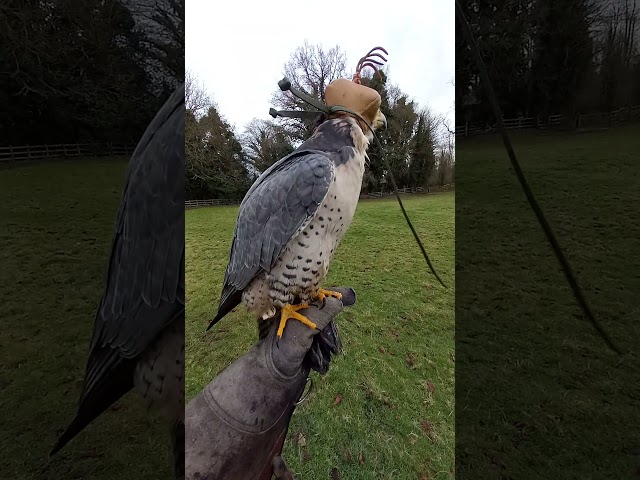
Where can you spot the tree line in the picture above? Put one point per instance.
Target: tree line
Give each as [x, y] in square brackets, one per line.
[547, 57]
[86, 70]
[222, 163]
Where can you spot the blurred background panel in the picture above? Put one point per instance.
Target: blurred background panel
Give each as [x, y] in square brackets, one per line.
[539, 394]
[81, 82]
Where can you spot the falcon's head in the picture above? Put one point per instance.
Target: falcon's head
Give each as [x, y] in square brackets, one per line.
[359, 98]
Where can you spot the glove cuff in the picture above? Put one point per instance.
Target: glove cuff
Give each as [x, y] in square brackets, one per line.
[249, 405]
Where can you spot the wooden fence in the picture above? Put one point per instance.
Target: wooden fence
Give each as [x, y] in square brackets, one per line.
[428, 190]
[587, 120]
[209, 203]
[434, 189]
[64, 150]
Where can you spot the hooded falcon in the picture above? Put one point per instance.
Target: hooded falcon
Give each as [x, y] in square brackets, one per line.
[138, 337]
[293, 217]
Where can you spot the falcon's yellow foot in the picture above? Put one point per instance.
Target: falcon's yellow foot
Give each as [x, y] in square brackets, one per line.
[322, 294]
[291, 311]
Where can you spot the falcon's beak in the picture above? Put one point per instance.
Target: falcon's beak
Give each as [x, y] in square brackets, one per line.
[381, 121]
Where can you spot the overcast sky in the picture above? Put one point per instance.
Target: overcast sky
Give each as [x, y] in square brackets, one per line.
[239, 55]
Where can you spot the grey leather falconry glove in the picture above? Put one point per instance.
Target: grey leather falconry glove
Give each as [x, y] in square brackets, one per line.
[236, 427]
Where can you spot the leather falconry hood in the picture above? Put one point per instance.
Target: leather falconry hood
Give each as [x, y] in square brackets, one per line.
[355, 96]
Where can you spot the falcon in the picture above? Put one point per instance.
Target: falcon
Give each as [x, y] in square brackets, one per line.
[293, 217]
[138, 336]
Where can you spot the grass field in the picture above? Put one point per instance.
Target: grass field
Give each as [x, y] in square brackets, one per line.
[395, 419]
[56, 225]
[538, 394]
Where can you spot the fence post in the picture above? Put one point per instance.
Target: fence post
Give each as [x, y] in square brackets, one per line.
[466, 128]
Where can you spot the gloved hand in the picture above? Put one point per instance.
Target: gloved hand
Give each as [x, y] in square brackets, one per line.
[236, 427]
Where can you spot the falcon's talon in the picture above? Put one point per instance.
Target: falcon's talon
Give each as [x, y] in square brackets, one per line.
[322, 294]
[289, 312]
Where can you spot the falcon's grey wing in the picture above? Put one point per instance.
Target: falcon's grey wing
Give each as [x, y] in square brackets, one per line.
[144, 289]
[278, 205]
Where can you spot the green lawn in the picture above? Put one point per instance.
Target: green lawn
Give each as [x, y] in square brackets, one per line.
[56, 225]
[539, 395]
[395, 419]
